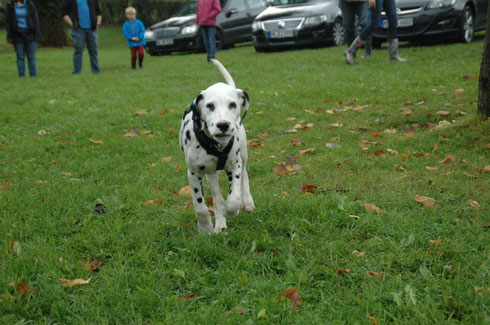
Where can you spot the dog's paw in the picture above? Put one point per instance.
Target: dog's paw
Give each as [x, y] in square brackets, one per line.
[205, 229]
[219, 229]
[248, 206]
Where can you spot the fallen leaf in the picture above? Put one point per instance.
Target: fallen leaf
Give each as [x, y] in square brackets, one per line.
[96, 141]
[42, 132]
[371, 207]
[255, 143]
[141, 112]
[406, 111]
[185, 191]
[376, 135]
[289, 119]
[458, 91]
[297, 126]
[5, 186]
[425, 200]
[373, 320]
[358, 253]
[448, 159]
[290, 131]
[431, 168]
[341, 271]
[166, 159]
[400, 168]
[281, 170]
[192, 295]
[475, 205]
[469, 175]
[380, 152]
[442, 113]
[487, 146]
[354, 217]
[335, 125]
[436, 242]
[297, 142]
[90, 264]
[264, 134]
[485, 169]
[67, 173]
[309, 150]
[40, 181]
[24, 290]
[429, 125]
[393, 152]
[373, 274]
[390, 131]
[461, 113]
[307, 188]
[72, 283]
[292, 295]
[151, 202]
[131, 133]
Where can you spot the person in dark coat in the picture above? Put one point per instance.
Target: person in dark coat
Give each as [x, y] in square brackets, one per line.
[84, 18]
[23, 32]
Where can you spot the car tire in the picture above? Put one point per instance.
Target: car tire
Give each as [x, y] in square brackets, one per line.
[338, 33]
[467, 29]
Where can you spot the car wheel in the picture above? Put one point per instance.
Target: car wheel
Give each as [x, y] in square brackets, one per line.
[338, 32]
[467, 30]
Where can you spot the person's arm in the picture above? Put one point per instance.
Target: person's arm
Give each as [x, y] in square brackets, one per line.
[98, 13]
[35, 21]
[68, 21]
[7, 22]
[141, 34]
[99, 21]
[66, 11]
[216, 8]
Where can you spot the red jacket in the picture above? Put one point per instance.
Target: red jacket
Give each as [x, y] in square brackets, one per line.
[206, 12]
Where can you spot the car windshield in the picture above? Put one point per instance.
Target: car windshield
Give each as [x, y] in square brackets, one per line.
[293, 2]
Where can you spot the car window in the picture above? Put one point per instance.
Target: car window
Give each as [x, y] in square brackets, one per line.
[188, 9]
[237, 4]
[253, 4]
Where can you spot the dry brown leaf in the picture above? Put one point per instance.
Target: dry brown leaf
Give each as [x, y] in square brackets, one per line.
[292, 295]
[290, 131]
[390, 131]
[335, 125]
[448, 159]
[185, 191]
[96, 141]
[24, 290]
[264, 134]
[487, 146]
[281, 170]
[442, 113]
[72, 283]
[151, 202]
[393, 152]
[373, 274]
[341, 271]
[166, 159]
[290, 119]
[475, 205]
[297, 142]
[431, 168]
[425, 200]
[485, 169]
[307, 188]
[371, 207]
[131, 133]
[458, 91]
[304, 152]
[376, 135]
[470, 175]
[5, 186]
[406, 111]
[436, 242]
[379, 152]
[358, 253]
[141, 112]
[373, 320]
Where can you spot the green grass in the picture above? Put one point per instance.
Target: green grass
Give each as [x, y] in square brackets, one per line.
[156, 268]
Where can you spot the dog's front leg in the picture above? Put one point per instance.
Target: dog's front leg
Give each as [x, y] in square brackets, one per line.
[204, 224]
[218, 202]
[234, 199]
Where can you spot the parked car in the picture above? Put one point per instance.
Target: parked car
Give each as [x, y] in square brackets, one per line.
[288, 23]
[418, 19]
[180, 33]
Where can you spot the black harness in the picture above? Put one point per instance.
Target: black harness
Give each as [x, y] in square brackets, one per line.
[209, 144]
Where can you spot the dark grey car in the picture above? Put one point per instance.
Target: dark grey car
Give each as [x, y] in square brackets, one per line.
[180, 33]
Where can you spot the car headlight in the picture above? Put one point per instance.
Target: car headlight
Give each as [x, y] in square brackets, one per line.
[148, 34]
[256, 26]
[435, 4]
[192, 29]
[315, 20]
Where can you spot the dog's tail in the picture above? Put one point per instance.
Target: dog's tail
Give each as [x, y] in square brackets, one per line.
[224, 72]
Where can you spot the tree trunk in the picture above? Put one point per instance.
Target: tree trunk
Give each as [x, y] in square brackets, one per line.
[53, 29]
[483, 94]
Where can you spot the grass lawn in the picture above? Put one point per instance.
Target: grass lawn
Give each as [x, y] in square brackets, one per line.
[358, 248]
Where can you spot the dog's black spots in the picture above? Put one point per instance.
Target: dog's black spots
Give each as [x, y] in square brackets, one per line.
[230, 191]
[237, 139]
[232, 129]
[192, 173]
[210, 106]
[202, 167]
[197, 147]
[199, 200]
[200, 178]
[196, 190]
[236, 162]
[212, 124]
[188, 135]
[230, 178]
[182, 148]
[186, 122]
[237, 176]
[185, 142]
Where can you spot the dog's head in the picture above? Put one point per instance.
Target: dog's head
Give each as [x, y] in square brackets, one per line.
[218, 108]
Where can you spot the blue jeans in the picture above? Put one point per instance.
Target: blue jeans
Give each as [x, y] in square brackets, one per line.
[80, 38]
[351, 9]
[209, 38]
[21, 49]
[375, 17]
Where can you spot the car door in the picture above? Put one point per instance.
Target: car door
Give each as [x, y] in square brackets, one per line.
[255, 7]
[481, 18]
[233, 21]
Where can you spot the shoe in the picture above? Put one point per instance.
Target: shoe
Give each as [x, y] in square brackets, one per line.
[393, 49]
[133, 65]
[140, 63]
[350, 53]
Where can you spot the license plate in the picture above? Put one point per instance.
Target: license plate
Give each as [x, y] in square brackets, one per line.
[402, 22]
[165, 41]
[281, 34]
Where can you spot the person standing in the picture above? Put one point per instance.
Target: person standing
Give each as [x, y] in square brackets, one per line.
[206, 13]
[84, 18]
[375, 7]
[134, 32]
[23, 32]
[352, 9]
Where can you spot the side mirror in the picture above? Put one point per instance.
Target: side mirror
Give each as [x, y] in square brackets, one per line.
[231, 12]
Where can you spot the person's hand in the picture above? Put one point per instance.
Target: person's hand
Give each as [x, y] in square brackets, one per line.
[136, 39]
[372, 4]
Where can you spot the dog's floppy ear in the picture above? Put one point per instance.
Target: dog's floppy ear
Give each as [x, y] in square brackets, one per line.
[196, 111]
[245, 102]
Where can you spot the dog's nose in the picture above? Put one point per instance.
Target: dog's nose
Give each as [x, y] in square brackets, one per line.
[223, 126]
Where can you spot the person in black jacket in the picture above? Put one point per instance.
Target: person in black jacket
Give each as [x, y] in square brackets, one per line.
[84, 17]
[23, 32]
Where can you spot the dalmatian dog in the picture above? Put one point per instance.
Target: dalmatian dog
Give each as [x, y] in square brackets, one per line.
[212, 138]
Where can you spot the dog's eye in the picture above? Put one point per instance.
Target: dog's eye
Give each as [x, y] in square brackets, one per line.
[210, 106]
[232, 105]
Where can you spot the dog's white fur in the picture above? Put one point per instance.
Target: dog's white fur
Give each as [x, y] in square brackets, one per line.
[219, 109]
